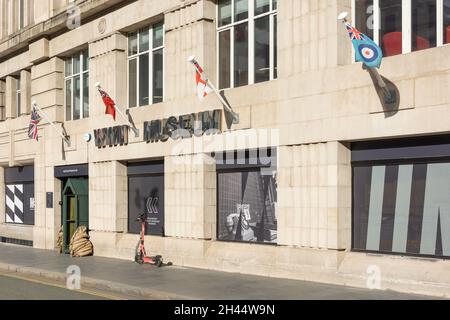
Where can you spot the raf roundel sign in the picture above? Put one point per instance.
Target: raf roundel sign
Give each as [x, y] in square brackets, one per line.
[368, 52]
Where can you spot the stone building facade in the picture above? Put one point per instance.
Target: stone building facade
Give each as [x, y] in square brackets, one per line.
[356, 187]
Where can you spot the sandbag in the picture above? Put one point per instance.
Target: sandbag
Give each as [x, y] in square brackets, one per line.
[59, 242]
[80, 245]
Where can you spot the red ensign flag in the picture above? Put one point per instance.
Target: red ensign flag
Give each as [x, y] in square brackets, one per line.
[109, 103]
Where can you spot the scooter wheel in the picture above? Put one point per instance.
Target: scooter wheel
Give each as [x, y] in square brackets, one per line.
[159, 263]
[138, 259]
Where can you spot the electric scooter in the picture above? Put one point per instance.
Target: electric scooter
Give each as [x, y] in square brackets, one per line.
[141, 255]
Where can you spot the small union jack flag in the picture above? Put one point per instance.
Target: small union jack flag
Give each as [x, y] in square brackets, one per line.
[33, 128]
[354, 33]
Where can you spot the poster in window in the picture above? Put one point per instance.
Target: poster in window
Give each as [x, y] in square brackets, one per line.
[19, 200]
[146, 196]
[247, 207]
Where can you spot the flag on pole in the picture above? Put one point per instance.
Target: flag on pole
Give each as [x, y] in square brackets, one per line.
[366, 50]
[202, 82]
[33, 128]
[109, 103]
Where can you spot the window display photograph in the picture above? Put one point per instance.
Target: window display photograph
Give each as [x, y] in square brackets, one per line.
[247, 207]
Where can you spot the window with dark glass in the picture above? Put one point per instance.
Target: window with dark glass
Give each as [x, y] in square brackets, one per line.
[391, 27]
[424, 32]
[403, 207]
[247, 42]
[19, 195]
[146, 196]
[247, 197]
[428, 27]
[77, 86]
[146, 66]
[364, 12]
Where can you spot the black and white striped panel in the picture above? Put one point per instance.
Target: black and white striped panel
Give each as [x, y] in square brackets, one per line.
[15, 203]
[402, 208]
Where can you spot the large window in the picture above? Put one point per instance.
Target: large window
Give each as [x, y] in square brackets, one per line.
[247, 197]
[403, 206]
[247, 42]
[404, 26]
[146, 196]
[19, 195]
[146, 66]
[77, 86]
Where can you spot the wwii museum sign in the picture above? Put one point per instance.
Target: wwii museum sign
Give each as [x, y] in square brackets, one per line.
[197, 124]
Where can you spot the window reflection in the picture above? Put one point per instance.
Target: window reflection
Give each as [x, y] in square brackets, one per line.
[241, 55]
[391, 27]
[423, 24]
[262, 49]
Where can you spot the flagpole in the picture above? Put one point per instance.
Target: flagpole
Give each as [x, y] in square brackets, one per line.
[213, 87]
[388, 96]
[44, 115]
[132, 126]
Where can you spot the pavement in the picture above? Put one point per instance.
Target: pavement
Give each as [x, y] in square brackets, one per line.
[13, 287]
[174, 282]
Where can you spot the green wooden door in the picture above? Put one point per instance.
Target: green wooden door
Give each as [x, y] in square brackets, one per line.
[75, 208]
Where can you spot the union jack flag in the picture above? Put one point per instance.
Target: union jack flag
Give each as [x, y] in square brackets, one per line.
[354, 33]
[33, 128]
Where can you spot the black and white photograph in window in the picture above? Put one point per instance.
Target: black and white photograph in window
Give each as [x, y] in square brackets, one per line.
[247, 198]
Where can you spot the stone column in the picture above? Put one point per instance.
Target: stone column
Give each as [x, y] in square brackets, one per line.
[108, 197]
[310, 37]
[25, 92]
[108, 205]
[314, 190]
[190, 30]
[108, 65]
[47, 88]
[11, 98]
[3, 19]
[190, 197]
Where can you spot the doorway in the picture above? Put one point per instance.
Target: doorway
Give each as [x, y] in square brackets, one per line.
[75, 204]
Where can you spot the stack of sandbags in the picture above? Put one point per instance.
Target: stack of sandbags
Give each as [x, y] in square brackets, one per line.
[59, 242]
[80, 245]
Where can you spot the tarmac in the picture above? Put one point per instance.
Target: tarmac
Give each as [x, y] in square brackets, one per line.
[175, 282]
